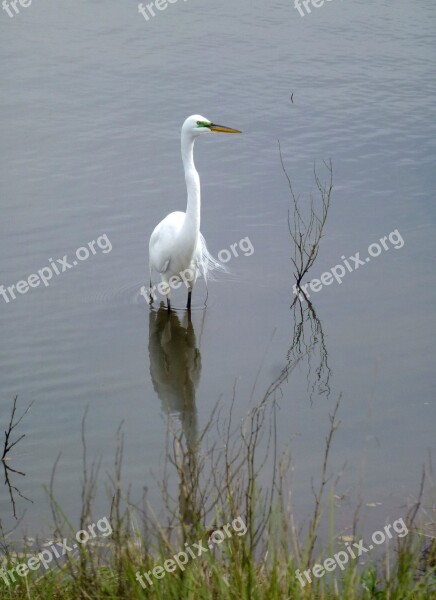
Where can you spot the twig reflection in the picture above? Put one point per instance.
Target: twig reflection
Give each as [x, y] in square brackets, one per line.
[7, 447]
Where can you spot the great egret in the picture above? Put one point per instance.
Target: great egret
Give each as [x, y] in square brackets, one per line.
[177, 249]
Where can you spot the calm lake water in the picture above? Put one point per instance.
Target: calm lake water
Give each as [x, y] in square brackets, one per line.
[92, 100]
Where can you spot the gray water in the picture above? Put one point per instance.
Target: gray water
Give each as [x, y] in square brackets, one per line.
[92, 100]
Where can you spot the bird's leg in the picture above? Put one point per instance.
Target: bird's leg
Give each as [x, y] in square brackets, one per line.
[167, 292]
[151, 295]
[188, 305]
[168, 295]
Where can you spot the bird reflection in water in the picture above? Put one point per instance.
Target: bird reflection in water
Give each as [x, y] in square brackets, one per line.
[175, 368]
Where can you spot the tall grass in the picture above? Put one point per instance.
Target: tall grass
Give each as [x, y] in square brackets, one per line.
[222, 473]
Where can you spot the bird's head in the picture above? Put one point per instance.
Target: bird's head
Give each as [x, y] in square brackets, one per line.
[196, 125]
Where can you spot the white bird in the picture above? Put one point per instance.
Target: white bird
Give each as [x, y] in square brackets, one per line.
[177, 249]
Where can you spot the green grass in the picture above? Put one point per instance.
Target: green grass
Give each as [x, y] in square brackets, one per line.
[233, 574]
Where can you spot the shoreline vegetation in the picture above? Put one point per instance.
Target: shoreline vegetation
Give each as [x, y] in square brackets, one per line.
[227, 473]
[218, 482]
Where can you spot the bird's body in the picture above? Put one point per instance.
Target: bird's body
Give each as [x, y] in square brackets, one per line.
[177, 250]
[170, 250]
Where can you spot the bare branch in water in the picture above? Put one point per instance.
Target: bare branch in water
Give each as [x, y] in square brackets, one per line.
[306, 226]
[7, 447]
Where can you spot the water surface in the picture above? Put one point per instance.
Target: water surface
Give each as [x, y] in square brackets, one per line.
[93, 97]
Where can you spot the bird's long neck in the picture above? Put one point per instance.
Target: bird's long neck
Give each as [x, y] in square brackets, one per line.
[192, 218]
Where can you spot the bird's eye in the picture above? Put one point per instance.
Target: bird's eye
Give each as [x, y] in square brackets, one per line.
[198, 122]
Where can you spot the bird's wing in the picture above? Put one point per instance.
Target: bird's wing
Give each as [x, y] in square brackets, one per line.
[157, 261]
[162, 240]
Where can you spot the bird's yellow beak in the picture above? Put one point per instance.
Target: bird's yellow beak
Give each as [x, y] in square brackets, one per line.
[222, 129]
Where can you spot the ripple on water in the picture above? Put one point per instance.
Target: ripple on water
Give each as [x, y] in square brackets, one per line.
[129, 294]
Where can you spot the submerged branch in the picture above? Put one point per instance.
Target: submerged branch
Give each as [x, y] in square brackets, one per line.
[306, 226]
[7, 447]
